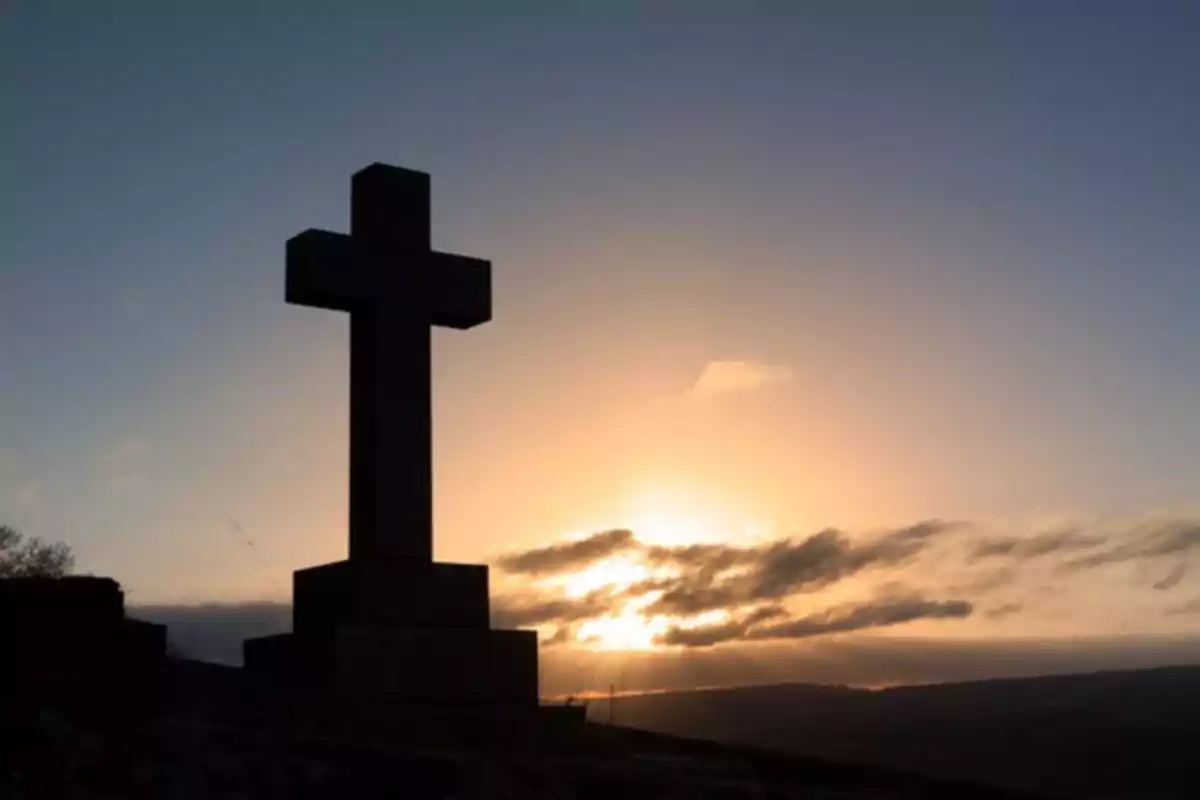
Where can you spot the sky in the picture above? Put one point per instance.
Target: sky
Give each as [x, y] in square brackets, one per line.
[763, 273]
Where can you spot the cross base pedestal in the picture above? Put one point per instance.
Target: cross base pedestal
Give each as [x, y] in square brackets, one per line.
[452, 666]
[406, 631]
[393, 593]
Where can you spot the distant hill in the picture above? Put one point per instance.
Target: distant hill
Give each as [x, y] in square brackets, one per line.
[1103, 735]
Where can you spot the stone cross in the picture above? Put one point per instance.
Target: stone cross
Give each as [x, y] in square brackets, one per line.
[395, 286]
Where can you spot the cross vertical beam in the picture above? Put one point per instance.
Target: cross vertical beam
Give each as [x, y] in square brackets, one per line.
[391, 417]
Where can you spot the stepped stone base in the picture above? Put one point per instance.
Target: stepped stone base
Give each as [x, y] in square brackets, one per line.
[401, 630]
[392, 593]
[426, 665]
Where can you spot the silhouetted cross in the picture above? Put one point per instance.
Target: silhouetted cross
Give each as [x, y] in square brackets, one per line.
[395, 287]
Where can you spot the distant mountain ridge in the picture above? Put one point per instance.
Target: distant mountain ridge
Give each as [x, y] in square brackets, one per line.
[1128, 734]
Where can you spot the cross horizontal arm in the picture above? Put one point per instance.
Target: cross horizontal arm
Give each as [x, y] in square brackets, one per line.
[461, 290]
[333, 271]
[323, 271]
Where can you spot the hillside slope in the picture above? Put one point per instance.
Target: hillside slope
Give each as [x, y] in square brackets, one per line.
[1115, 734]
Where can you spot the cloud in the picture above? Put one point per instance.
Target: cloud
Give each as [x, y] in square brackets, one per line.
[1147, 542]
[690, 595]
[728, 377]
[1173, 537]
[1025, 548]
[568, 555]
[528, 610]
[1190, 607]
[700, 556]
[868, 615]
[784, 568]
[1172, 578]
[875, 614]
[1008, 609]
[744, 580]
[709, 576]
[730, 630]
[960, 560]
[986, 582]
[562, 635]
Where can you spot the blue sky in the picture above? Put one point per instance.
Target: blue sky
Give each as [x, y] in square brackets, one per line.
[967, 231]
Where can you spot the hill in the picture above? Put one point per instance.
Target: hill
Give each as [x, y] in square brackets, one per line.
[1106, 735]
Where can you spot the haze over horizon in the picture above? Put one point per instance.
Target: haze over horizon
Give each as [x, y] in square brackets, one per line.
[810, 322]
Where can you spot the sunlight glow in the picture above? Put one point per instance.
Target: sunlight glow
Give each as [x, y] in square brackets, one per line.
[715, 617]
[627, 631]
[658, 517]
[617, 573]
[672, 527]
[668, 513]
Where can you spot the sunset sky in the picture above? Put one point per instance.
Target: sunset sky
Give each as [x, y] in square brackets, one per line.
[913, 286]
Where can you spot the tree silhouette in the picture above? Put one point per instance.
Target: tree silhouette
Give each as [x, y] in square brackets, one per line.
[22, 557]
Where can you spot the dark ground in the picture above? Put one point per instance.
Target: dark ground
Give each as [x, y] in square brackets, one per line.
[139, 741]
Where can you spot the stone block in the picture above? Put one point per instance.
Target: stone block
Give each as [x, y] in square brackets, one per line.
[73, 601]
[143, 644]
[389, 593]
[129, 646]
[416, 665]
[73, 625]
[288, 660]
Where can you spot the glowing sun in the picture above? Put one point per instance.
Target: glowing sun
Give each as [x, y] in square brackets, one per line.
[663, 519]
[627, 631]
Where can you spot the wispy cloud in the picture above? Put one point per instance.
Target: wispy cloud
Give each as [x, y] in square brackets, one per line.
[1005, 610]
[879, 614]
[729, 377]
[1190, 607]
[565, 556]
[1043, 544]
[749, 582]
[1172, 578]
[1174, 537]
[957, 564]
[841, 619]
[530, 610]
[733, 629]
[784, 568]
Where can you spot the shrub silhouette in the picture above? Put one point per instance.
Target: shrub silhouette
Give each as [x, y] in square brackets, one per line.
[22, 557]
